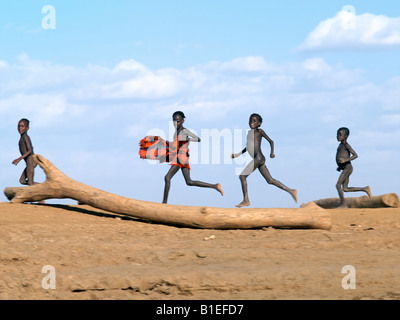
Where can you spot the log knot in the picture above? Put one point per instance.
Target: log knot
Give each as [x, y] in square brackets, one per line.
[206, 210]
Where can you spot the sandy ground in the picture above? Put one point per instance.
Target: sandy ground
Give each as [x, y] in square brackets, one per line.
[98, 255]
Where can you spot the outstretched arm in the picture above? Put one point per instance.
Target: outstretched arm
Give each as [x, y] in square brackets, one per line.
[271, 143]
[234, 155]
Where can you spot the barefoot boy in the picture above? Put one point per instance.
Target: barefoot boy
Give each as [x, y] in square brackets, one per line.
[176, 152]
[26, 149]
[180, 155]
[253, 146]
[344, 155]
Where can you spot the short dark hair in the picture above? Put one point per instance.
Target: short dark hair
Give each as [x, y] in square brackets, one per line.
[259, 118]
[345, 130]
[178, 113]
[26, 121]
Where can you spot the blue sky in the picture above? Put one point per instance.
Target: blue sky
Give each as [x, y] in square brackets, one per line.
[113, 71]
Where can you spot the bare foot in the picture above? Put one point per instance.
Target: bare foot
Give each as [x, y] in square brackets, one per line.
[243, 203]
[368, 191]
[219, 189]
[294, 194]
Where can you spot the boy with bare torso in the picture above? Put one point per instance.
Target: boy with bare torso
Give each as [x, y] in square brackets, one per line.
[180, 154]
[26, 150]
[253, 146]
[344, 155]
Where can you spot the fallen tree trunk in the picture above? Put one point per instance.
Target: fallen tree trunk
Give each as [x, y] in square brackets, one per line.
[59, 186]
[383, 201]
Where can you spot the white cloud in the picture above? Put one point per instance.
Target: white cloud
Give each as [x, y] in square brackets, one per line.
[43, 109]
[378, 139]
[136, 130]
[316, 64]
[131, 66]
[246, 64]
[392, 96]
[3, 64]
[350, 31]
[50, 90]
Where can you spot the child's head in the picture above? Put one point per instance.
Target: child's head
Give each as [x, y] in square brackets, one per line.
[23, 125]
[178, 113]
[26, 121]
[343, 133]
[255, 120]
[178, 117]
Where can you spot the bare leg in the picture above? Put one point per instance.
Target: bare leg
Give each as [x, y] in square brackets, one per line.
[190, 182]
[171, 172]
[342, 181]
[28, 173]
[30, 170]
[265, 173]
[23, 179]
[339, 189]
[243, 176]
[346, 187]
[27, 177]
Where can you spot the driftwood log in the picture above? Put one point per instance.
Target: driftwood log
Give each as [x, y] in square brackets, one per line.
[383, 201]
[59, 186]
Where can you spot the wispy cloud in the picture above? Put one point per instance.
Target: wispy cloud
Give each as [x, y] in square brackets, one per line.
[187, 47]
[348, 30]
[51, 90]
[22, 28]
